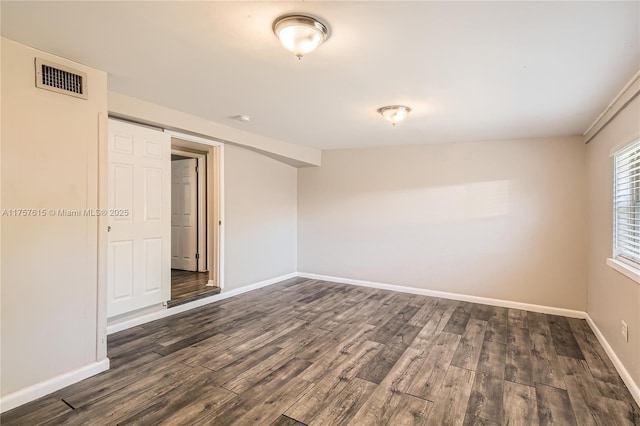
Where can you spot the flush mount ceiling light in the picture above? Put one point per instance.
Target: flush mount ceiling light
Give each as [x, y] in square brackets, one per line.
[394, 113]
[241, 118]
[300, 33]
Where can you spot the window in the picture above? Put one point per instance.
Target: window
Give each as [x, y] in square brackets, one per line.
[626, 205]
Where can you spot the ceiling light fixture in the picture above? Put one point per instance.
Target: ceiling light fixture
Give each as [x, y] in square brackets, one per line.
[394, 113]
[242, 118]
[300, 33]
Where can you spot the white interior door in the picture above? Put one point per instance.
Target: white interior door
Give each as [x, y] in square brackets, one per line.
[139, 268]
[184, 214]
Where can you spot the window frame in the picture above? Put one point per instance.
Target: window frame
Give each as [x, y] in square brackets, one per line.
[623, 262]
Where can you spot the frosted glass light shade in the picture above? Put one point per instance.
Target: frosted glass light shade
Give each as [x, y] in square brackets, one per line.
[300, 34]
[394, 113]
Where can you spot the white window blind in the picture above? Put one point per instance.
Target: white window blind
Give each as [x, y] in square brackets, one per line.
[626, 204]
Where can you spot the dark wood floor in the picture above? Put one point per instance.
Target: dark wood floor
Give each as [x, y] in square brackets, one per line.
[317, 353]
[187, 286]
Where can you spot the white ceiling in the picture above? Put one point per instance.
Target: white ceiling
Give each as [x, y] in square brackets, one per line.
[469, 70]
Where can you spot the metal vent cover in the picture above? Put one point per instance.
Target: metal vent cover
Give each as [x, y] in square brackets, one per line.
[61, 79]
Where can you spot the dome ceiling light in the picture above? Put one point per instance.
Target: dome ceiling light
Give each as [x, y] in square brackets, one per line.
[300, 34]
[394, 113]
[241, 118]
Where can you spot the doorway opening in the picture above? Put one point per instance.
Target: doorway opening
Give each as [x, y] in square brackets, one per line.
[195, 220]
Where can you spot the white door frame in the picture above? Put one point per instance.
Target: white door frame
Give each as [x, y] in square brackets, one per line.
[103, 177]
[220, 173]
[103, 243]
[203, 212]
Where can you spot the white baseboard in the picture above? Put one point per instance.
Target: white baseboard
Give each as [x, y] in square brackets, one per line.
[114, 328]
[626, 377]
[41, 389]
[453, 296]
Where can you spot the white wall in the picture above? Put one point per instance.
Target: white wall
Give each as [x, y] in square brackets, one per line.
[260, 218]
[503, 220]
[612, 297]
[49, 264]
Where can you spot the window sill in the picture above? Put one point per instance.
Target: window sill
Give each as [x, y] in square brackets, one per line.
[625, 269]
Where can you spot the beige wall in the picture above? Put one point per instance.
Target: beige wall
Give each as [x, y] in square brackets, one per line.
[49, 264]
[503, 220]
[260, 218]
[612, 297]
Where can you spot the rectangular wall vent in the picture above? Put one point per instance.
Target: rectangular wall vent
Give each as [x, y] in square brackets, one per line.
[61, 79]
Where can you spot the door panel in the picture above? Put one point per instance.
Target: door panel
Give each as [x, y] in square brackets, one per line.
[153, 186]
[153, 265]
[139, 262]
[121, 189]
[122, 269]
[184, 217]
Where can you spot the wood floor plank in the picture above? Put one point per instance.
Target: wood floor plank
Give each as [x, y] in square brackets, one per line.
[219, 355]
[131, 399]
[458, 322]
[340, 352]
[114, 381]
[544, 360]
[389, 329]
[51, 411]
[589, 407]
[381, 405]
[485, 400]
[497, 325]
[205, 334]
[519, 367]
[286, 421]
[430, 376]
[623, 413]
[313, 402]
[347, 403]
[119, 376]
[269, 409]
[245, 362]
[348, 311]
[330, 383]
[426, 309]
[379, 366]
[518, 318]
[411, 411]
[554, 406]
[449, 308]
[519, 405]
[390, 305]
[190, 402]
[429, 332]
[242, 379]
[607, 379]
[468, 352]
[237, 407]
[450, 406]
[563, 337]
[493, 357]
[482, 312]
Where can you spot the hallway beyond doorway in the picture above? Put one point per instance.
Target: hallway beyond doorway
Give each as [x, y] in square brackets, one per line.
[187, 286]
